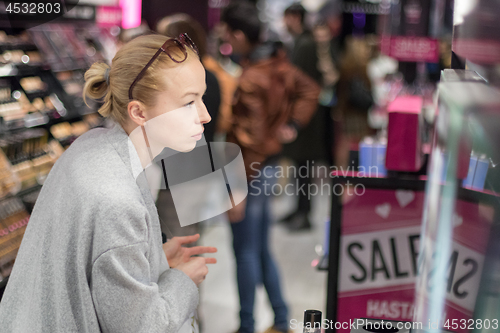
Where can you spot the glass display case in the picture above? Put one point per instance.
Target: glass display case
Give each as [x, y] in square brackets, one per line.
[458, 286]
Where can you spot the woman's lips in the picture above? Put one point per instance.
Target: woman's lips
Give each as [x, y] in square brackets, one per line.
[198, 136]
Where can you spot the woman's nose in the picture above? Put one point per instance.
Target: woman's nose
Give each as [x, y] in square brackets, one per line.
[203, 114]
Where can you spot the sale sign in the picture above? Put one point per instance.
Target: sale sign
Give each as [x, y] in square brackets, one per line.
[418, 49]
[463, 262]
[379, 257]
[108, 16]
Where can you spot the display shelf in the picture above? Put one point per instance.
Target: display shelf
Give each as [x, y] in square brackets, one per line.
[42, 71]
[18, 46]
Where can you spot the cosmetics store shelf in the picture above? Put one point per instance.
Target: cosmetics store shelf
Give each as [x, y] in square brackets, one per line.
[415, 183]
[26, 46]
[29, 196]
[9, 70]
[477, 195]
[35, 120]
[29, 190]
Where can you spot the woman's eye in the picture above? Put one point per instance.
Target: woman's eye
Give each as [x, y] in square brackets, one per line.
[189, 104]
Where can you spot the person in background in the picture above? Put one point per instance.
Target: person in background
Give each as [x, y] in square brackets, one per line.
[354, 98]
[316, 54]
[273, 100]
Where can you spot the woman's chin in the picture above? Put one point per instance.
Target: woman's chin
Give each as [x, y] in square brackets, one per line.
[186, 148]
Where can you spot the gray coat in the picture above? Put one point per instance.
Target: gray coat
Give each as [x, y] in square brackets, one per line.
[91, 259]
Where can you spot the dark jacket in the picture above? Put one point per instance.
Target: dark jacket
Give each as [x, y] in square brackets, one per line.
[314, 140]
[304, 56]
[271, 92]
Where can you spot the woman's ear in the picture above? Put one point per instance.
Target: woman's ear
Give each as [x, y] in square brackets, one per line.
[136, 112]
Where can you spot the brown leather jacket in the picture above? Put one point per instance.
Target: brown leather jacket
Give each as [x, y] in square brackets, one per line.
[271, 92]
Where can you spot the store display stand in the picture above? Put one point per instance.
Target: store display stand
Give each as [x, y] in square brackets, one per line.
[347, 302]
[386, 186]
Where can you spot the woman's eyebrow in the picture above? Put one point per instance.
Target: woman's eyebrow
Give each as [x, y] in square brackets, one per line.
[194, 93]
[190, 93]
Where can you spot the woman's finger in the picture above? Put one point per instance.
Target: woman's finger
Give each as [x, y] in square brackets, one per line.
[210, 261]
[188, 239]
[201, 249]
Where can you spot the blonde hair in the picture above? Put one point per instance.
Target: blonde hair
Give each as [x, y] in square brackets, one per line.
[125, 66]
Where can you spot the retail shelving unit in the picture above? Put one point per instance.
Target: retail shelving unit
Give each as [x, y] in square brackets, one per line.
[41, 113]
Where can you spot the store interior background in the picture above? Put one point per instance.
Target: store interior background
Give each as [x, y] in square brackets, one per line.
[56, 111]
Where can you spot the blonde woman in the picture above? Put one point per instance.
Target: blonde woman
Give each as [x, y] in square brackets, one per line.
[92, 258]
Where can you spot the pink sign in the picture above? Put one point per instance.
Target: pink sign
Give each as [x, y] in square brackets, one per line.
[379, 249]
[107, 16]
[418, 49]
[378, 255]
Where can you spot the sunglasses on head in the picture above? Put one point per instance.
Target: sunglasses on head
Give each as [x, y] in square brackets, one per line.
[171, 48]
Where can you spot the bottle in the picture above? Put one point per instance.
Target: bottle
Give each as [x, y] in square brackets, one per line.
[312, 321]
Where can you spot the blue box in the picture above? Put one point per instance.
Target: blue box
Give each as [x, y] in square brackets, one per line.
[379, 151]
[467, 182]
[480, 174]
[365, 156]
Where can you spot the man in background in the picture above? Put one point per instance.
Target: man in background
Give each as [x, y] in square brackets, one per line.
[315, 53]
[272, 101]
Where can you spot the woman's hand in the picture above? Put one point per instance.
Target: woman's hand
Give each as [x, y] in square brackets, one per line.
[196, 269]
[237, 213]
[177, 254]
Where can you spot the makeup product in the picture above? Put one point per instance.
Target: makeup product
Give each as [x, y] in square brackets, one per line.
[78, 128]
[34, 57]
[13, 221]
[9, 183]
[39, 104]
[33, 84]
[481, 170]
[13, 56]
[372, 157]
[26, 151]
[11, 111]
[365, 154]
[312, 321]
[476, 176]
[379, 151]
[404, 134]
[61, 131]
[467, 182]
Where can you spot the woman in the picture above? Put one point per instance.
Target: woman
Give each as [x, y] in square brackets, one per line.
[92, 258]
[354, 99]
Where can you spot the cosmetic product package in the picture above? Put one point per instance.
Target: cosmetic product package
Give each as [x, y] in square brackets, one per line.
[403, 134]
